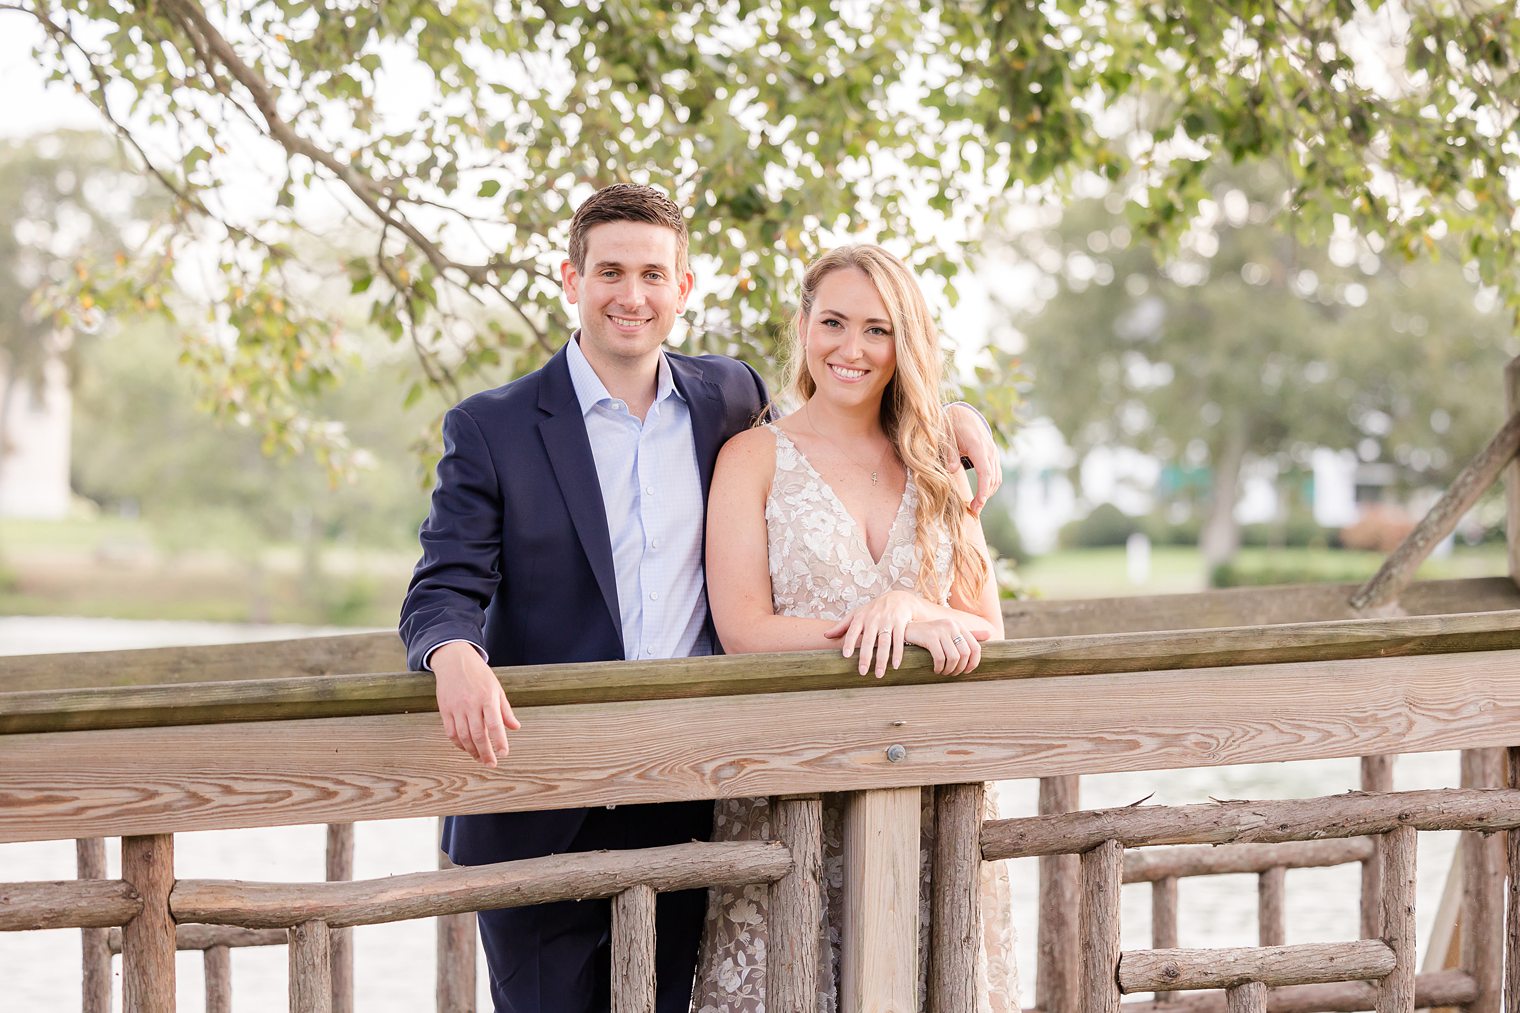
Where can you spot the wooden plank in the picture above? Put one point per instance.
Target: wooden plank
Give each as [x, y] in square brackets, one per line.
[340, 868]
[1460, 496]
[796, 899]
[67, 904]
[456, 955]
[1377, 775]
[1271, 907]
[147, 941]
[343, 769]
[1306, 963]
[687, 678]
[955, 917]
[268, 659]
[1057, 977]
[580, 875]
[95, 948]
[217, 963]
[1248, 998]
[633, 951]
[1102, 879]
[1244, 606]
[1512, 892]
[1483, 866]
[1440, 988]
[311, 984]
[879, 936]
[1151, 864]
[1265, 822]
[1395, 992]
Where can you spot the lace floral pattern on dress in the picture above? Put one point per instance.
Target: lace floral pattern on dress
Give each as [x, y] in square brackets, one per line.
[821, 568]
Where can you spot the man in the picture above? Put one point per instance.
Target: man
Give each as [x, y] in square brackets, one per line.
[566, 526]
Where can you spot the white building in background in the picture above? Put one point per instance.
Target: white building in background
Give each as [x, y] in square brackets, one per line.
[34, 457]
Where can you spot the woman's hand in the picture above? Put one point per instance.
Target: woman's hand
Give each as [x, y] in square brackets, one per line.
[951, 642]
[877, 628]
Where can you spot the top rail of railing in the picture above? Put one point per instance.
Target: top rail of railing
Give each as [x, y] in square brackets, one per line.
[340, 748]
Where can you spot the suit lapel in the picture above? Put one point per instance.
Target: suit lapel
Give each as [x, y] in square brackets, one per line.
[705, 404]
[564, 436]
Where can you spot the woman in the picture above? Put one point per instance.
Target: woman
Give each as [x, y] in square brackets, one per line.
[841, 526]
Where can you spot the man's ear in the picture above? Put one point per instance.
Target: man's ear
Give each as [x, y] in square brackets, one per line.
[685, 285]
[571, 279]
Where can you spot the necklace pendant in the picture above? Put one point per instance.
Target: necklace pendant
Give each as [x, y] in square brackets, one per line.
[873, 478]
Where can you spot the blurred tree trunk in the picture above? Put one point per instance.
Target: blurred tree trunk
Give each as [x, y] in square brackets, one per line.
[1220, 539]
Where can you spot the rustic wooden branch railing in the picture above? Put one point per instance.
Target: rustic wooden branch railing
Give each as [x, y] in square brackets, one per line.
[335, 749]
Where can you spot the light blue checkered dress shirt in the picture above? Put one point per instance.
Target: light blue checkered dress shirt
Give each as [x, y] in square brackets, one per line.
[652, 494]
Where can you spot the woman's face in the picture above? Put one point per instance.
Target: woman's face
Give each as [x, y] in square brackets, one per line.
[850, 349]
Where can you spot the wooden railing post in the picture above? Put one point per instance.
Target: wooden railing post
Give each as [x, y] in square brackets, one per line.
[1512, 922]
[955, 919]
[1057, 966]
[1395, 993]
[1271, 911]
[95, 944]
[147, 941]
[1377, 775]
[456, 955]
[1482, 920]
[633, 985]
[340, 868]
[1248, 998]
[311, 968]
[1102, 878]
[879, 959]
[1164, 922]
[791, 984]
[217, 964]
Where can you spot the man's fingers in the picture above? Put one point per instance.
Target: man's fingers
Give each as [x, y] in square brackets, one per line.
[483, 751]
[496, 732]
[507, 717]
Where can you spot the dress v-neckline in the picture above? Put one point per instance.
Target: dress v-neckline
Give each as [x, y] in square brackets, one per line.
[855, 525]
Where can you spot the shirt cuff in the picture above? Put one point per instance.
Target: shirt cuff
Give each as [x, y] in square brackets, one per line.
[427, 659]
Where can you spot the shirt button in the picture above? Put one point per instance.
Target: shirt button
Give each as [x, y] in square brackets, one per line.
[654, 543]
[649, 650]
[648, 490]
[654, 596]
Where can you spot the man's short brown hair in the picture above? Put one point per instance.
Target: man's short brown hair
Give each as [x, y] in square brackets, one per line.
[627, 202]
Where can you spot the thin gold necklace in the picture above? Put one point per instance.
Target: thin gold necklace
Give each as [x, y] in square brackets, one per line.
[875, 472]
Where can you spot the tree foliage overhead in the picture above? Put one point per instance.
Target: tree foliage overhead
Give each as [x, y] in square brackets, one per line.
[434, 150]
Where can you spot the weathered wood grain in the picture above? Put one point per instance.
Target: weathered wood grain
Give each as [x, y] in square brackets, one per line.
[1377, 775]
[1512, 886]
[633, 950]
[1483, 866]
[1248, 998]
[1512, 475]
[310, 982]
[456, 956]
[336, 770]
[207, 937]
[1057, 977]
[1102, 877]
[1148, 865]
[147, 940]
[686, 678]
[506, 884]
[67, 904]
[955, 917]
[95, 949]
[1271, 907]
[340, 868]
[1164, 913]
[1460, 496]
[1244, 606]
[1396, 849]
[217, 969]
[791, 983]
[1349, 815]
[878, 963]
[1308, 963]
[1435, 989]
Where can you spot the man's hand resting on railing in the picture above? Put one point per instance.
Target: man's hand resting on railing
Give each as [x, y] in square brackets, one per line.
[476, 715]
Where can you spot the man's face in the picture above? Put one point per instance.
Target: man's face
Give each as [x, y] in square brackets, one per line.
[630, 293]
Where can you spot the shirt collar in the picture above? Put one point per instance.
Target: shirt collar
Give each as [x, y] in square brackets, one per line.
[589, 389]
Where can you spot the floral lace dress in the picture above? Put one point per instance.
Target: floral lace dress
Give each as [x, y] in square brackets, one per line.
[821, 568]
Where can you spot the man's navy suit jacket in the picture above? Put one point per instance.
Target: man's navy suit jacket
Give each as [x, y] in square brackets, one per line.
[516, 548]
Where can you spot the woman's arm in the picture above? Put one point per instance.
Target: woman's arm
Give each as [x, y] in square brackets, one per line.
[738, 568]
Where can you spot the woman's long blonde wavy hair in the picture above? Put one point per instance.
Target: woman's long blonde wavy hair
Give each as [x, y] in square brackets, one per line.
[911, 413]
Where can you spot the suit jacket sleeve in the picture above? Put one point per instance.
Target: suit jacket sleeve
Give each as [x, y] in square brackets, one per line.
[460, 566]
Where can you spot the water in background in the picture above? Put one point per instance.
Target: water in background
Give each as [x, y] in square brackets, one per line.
[395, 964]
